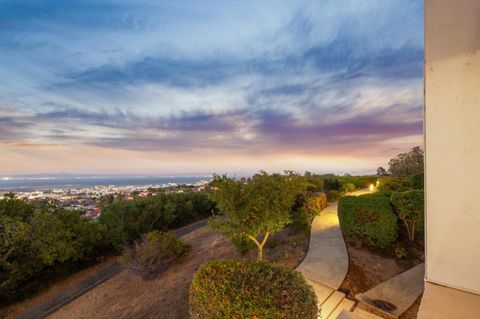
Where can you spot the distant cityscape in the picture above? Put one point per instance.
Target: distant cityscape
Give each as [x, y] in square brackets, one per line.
[89, 200]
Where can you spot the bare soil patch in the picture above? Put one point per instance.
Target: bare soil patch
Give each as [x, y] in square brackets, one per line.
[129, 296]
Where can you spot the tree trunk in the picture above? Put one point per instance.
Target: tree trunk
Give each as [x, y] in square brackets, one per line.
[408, 230]
[412, 232]
[260, 245]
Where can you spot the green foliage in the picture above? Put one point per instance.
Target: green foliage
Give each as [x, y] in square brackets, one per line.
[407, 164]
[36, 239]
[238, 289]
[243, 244]
[153, 253]
[333, 196]
[316, 202]
[417, 181]
[357, 181]
[127, 220]
[388, 185]
[314, 182]
[348, 187]
[302, 218]
[409, 206]
[310, 206]
[381, 171]
[13, 207]
[255, 208]
[400, 252]
[368, 219]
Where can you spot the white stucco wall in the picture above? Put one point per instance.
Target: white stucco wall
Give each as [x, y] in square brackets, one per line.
[452, 142]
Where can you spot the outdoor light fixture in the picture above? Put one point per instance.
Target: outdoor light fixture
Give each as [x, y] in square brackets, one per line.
[371, 187]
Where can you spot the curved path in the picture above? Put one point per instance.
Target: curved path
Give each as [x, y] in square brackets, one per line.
[327, 258]
[326, 263]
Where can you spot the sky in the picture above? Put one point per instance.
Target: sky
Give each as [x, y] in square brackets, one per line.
[191, 87]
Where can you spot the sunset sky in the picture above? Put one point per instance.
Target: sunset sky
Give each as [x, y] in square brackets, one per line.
[195, 87]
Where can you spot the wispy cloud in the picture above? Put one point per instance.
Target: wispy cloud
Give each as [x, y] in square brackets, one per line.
[305, 78]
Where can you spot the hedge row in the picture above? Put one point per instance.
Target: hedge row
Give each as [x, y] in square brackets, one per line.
[368, 219]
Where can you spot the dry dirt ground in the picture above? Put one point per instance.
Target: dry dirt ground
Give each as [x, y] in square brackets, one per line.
[128, 296]
[367, 269]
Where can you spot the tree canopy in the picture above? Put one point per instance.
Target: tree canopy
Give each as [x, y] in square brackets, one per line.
[407, 164]
[256, 208]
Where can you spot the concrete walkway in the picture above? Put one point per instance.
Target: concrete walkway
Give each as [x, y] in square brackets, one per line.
[326, 263]
[327, 258]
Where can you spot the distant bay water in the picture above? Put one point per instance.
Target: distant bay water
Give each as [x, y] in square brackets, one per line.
[27, 184]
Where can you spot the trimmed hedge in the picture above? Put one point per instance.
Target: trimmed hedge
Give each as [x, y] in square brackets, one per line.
[368, 219]
[238, 289]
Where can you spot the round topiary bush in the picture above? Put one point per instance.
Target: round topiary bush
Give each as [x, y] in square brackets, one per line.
[239, 289]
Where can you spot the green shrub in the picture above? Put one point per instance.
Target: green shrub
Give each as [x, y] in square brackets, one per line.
[400, 252]
[416, 181]
[242, 244]
[239, 289]
[153, 253]
[388, 185]
[348, 187]
[333, 196]
[316, 202]
[302, 219]
[307, 207]
[368, 219]
[410, 209]
[40, 241]
[357, 181]
[125, 221]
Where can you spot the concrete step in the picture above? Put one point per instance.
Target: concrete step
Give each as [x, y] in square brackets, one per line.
[349, 315]
[365, 314]
[321, 291]
[346, 305]
[401, 291]
[331, 304]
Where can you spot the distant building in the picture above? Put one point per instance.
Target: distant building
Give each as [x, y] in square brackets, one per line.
[93, 214]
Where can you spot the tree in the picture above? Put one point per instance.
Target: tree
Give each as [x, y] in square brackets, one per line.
[409, 207]
[417, 181]
[407, 164]
[381, 171]
[349, 187]
[257, 208]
